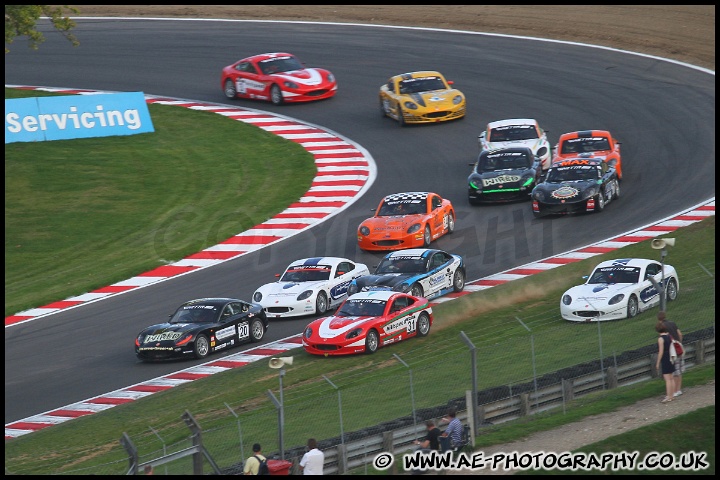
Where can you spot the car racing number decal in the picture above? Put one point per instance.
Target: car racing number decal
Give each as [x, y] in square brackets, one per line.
[242, 85]
[408, 322]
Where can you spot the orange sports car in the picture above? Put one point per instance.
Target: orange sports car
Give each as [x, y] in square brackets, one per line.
[598, 144]
[407, 220]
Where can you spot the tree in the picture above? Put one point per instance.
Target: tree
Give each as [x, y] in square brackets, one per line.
[20, 20]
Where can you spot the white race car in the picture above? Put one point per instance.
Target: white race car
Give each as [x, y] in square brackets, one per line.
[309, 286]
[619, 289]
[517, 132]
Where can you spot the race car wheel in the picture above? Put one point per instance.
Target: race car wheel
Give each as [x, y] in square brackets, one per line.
[671, 291]
[372, 342]
[321, 303]
[400, 117]
[458, 280]
[423, 325]
[600, 202]
[416, 290]
[450, 222]
[202, 346]
[230, 91]
[383, 113]
[427, 237]
[632, 306]
[617, 190]
[276, 95]
[257, 330]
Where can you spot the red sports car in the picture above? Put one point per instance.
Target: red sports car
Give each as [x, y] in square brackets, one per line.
[598, 144]
[278, 78]
[407, 220]
[367, 321]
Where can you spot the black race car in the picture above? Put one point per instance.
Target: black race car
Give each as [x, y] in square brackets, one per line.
[421, 272]
[503, 175]
[200, 327]
[574, 186]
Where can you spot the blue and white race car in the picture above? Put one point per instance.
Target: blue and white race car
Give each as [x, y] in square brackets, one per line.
[309, 286]
[421, 272]
[619, 289]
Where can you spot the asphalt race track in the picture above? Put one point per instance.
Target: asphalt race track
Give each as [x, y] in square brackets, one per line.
[663, 112]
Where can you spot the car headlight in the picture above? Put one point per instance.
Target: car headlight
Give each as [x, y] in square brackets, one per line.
[353, 289]
[457, 99]
[183, 341]
[591, 192]
[330, 77]
[365, 231]
[353, 333]
[308, 332]
[414, 228]
[473, 186]
[290, 84]
[567, 299]
[616, 299]
[305, 294]
[410, 106]
[538, 195]
[402, 287]
[542, 151]
[257, 296]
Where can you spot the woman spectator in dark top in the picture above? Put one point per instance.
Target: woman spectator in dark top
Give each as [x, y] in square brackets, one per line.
[663, 363]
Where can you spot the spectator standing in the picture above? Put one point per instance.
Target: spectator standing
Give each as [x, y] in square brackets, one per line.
[313, 461]
[454, 428]
[252, 464]
[431, 440]
[663, 363]
[679, 365]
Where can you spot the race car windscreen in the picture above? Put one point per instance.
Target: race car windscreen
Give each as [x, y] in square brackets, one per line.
[582, 145]
[615, 275]
[402, 207]
[362, 308]
[401, 265]
[510, 133]
[572, 174]
[425, 84]
[306, 273]
[503, 161]
[280, 64]
[195, 314]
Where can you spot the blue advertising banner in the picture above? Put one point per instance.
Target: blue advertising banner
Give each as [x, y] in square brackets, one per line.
[41, 119]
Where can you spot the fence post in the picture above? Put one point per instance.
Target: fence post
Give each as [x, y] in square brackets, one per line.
[387, 446]
[342, 459]
[197, 442]
[612, 378]
[524, 404]
[699, 352]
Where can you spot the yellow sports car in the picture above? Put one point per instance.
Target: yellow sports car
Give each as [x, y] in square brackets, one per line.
[421, 97]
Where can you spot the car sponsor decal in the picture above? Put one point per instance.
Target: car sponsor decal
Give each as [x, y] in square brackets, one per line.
[564, 192]
[408, 323]
[500, 179]
[339, 290]
[224, 333]
[162, 337]
[242, 85]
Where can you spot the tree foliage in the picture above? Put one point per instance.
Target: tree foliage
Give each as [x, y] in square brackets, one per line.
[21, 21]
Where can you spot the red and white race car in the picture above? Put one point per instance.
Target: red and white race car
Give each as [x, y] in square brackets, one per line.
[367, 321]
[278, 78]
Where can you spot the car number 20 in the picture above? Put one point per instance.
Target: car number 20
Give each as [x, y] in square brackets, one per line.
[243, 330]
